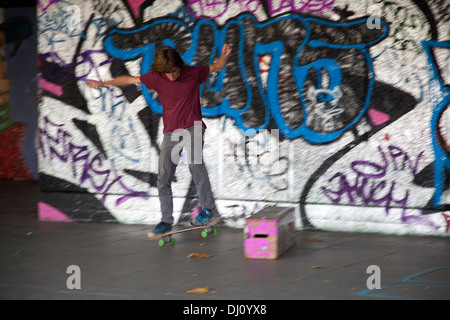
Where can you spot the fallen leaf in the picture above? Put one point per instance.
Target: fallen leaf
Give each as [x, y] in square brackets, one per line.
[199, 255]
[199, 290]
[318, 267]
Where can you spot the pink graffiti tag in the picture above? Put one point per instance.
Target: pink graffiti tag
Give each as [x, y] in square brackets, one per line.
[135, 6]
[50, 87]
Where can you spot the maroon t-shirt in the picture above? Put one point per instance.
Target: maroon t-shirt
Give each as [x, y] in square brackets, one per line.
[180, 99]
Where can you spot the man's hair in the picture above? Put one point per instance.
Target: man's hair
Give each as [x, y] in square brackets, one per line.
[167, 60]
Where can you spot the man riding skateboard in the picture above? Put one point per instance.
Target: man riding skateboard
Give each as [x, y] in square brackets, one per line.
[178, 88]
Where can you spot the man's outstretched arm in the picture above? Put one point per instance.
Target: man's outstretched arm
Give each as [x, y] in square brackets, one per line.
[119, 81]
[220, 63]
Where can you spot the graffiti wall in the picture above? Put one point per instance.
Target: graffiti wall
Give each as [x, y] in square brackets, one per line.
[337, 108]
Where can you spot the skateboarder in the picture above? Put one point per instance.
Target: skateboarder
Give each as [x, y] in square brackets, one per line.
[178, 88]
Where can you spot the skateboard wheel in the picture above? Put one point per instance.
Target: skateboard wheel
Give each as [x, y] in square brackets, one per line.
[161, 242]
[204, 234]
[214, 231]
[172, 241]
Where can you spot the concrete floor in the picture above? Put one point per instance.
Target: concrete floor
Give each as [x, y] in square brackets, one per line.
[118, 262]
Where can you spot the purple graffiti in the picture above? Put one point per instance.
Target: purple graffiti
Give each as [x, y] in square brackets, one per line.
[369, 184]
[365, 187]
[213, 9]
[88, 168]
[309, 6]
[44, 5]
[84, 62]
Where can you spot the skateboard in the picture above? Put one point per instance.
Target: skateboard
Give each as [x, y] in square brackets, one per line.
[167, 236]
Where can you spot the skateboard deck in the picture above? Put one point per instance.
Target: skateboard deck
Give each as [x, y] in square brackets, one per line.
[166, 237]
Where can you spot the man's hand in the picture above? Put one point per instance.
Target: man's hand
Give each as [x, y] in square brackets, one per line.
[226, 50]
[222, 61]
[93, 84]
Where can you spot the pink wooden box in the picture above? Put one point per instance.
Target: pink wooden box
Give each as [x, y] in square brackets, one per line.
[269, 233]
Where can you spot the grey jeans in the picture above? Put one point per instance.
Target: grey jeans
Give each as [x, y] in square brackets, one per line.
[192, 139]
